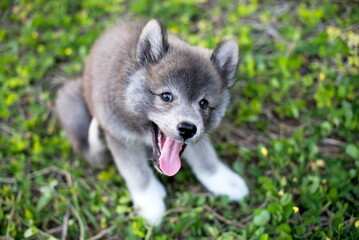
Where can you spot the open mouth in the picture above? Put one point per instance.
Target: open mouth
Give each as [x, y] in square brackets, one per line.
[166, 152]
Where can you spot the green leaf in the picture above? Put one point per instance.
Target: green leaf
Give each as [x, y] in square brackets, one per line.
[262, 218]
[352, 151]
[286, 199]
[211, 230]
[264, 237]
[31, 231]
[138, 227]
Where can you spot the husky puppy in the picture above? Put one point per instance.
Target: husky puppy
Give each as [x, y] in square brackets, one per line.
[143, 87]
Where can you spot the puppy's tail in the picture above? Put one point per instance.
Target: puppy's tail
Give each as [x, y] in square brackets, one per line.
[71, 110]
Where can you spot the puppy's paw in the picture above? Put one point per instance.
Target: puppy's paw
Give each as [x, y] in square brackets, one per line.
[95, 140]
[150, 204]
[97, 153]
[225, 182]
[152, 211]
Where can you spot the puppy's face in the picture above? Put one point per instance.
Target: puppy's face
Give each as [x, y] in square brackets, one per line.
[189, 96]
[186, 93]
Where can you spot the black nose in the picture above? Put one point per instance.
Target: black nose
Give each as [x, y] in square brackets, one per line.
[186, 130]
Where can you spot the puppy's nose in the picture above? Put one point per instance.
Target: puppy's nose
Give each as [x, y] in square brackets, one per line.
[186, 130]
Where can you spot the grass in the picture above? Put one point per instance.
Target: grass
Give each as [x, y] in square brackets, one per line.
[291, 131]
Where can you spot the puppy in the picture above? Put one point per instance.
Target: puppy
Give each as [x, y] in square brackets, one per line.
[144, 88]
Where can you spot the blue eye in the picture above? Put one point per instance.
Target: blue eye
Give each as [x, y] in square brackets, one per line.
[167, 97]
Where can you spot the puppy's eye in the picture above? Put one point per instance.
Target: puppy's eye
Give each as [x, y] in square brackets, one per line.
[167, 97]
[203, 104]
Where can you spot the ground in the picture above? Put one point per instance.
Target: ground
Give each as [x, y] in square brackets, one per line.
[292, 130]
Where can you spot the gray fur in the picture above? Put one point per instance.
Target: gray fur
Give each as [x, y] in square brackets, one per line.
[70, 108]
[75, 118]
[128, 69]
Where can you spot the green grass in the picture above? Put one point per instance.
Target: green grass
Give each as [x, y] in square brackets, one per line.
[292, 129]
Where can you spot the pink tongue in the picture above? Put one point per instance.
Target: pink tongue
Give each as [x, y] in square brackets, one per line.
[170, 162]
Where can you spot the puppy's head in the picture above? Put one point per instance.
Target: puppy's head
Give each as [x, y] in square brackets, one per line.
[186, 91]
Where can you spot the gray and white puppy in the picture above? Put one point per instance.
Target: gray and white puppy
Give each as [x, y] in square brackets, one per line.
[142, 87]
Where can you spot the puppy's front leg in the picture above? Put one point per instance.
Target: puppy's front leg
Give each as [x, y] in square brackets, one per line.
[146, 191]
[214, 175]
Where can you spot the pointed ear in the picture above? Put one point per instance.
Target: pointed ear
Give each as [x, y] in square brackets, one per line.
[152, 43]
[225, 58]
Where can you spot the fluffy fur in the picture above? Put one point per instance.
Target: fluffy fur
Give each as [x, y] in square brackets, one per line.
[118, 109]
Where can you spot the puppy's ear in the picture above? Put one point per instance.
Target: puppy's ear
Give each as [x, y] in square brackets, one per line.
[225, 58]
[152, 43]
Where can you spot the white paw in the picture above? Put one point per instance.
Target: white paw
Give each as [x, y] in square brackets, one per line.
[149, 203]
[95, 142]
[225, 182]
